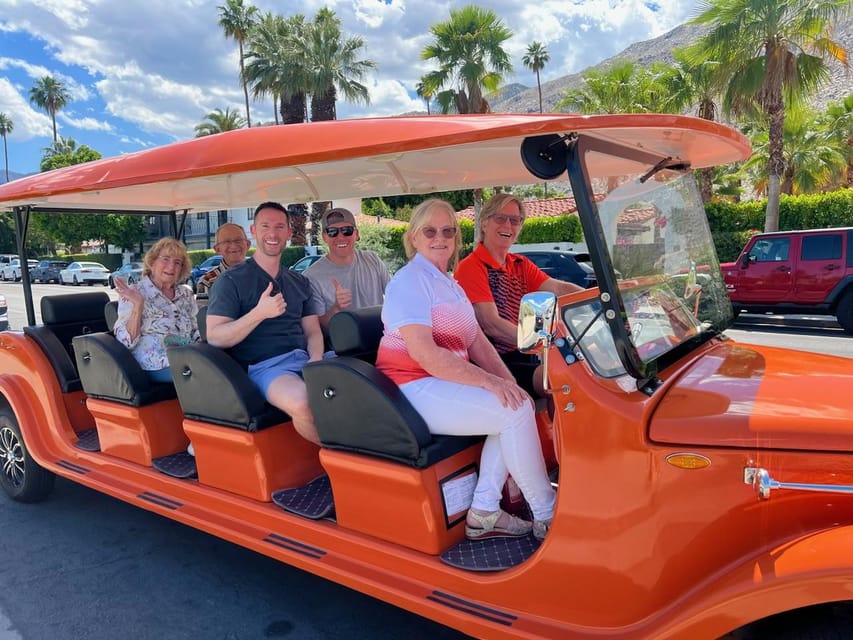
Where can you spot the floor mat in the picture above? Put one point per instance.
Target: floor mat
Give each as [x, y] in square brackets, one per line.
[492, 554]
[314, 500]
[88, 440]
[178, 465]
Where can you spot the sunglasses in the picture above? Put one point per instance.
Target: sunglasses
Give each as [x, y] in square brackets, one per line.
[500, 218]
[333, 232]
[446, 232]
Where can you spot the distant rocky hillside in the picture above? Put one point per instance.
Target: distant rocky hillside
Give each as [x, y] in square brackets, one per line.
[660, 49]
[12, 175]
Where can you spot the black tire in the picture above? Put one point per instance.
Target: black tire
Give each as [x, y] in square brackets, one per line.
[75, 282]
[844, 312]
[21, 477]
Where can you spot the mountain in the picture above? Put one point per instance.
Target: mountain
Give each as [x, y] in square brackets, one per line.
[660, 49]
[12, 176]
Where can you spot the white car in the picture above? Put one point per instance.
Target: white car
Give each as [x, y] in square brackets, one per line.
[12, 270]
[89, 272]
[4, 314]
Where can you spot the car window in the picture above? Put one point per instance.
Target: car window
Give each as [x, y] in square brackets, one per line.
[822, 247]
[771, 249]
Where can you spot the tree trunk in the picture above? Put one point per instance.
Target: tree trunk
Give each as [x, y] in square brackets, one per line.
[297, 214]
[245, 86]
[539, 86]
[293, 109]
[776, 160]
[6, 156]
[706, 184]
[478, 205]
[318, 209]
[275, 107]
[323, 106]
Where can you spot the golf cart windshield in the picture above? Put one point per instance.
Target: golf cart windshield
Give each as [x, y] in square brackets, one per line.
[669, 293]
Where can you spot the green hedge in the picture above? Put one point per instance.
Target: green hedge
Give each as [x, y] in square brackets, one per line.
[732, 224]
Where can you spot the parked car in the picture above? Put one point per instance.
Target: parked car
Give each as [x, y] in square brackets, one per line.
[795, 272]
[130, 273]
[47, 271]
[88, 272]
[200, 269]
[4, 313]
[303, 263]
[564, 265]
[12, 271]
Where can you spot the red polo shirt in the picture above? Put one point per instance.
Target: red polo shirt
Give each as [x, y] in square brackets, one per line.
[485, 280]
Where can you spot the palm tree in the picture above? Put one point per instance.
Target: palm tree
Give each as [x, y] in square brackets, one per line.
[812, 156]
[277, 64]
[63, 146]
[424, 93]
[49, 94]
[334, 66]
[618, 89]
[535, 59]
[696, 84]
[218, 121]
[6, 126]
[236, 21]
[770, 51]
[470, 55]
[839, 122]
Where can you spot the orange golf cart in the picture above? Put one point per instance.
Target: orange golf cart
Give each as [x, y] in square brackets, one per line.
[703, 486]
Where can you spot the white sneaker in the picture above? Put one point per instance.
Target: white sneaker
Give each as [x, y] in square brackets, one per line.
[190, 450]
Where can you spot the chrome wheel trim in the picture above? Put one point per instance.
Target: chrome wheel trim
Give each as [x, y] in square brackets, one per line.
[12, 457]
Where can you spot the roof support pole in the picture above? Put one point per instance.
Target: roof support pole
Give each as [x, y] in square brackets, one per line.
[22, 223]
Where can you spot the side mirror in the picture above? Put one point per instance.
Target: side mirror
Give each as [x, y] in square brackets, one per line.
[536, 320]
[537, 317]
[746, 259]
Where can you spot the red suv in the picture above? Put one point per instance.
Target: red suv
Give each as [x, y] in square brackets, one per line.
[795, 272]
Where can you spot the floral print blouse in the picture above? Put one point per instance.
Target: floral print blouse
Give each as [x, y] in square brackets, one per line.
[161, 318]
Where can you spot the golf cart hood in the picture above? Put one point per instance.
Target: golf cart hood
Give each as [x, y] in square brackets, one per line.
[759, 398]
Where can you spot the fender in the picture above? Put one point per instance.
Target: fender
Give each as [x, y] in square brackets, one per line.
[839, 289]
[29, 385]
[813, 569]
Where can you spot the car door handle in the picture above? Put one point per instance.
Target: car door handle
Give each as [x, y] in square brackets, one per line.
[831, 267]
[784, 269]
[763, 483]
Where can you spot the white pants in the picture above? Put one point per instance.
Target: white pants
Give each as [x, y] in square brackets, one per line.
[512, 444]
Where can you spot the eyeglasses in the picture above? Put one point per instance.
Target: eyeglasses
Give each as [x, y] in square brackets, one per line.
[446, 232]
[333, 232]
[178, 262]
[235, 241]
[500, 218]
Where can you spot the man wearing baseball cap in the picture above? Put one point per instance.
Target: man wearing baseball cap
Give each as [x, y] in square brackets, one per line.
[345, 277]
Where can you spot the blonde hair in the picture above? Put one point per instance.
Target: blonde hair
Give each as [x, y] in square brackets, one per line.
[420, 217]
[167, 246]
[229, 225]
[494, 205]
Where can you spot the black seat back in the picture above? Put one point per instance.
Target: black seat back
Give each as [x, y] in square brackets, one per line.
[108, 371]
[213, 387]
[357, 332]
[358, 408]
[111, 314]
[63, 318]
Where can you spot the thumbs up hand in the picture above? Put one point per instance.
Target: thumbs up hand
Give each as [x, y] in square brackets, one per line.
[343, 296]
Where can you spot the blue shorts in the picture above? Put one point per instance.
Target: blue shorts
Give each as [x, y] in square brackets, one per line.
[263, 373]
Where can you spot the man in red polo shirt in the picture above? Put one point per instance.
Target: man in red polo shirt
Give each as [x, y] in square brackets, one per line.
[495, 280]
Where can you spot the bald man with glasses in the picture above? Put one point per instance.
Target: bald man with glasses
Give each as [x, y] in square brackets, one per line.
[345, 277]
[232, 244]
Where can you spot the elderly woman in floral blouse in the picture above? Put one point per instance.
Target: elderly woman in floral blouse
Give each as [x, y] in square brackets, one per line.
[158, 312]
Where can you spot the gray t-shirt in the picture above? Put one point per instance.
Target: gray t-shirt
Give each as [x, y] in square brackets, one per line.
[366, 277]
[237, 292]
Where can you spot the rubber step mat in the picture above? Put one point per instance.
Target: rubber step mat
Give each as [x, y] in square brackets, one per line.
[491, 554]
[178, 465]
[88, 440]
[314, 500]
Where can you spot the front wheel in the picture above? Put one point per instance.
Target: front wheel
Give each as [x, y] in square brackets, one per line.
[844, 312]
[21, 477]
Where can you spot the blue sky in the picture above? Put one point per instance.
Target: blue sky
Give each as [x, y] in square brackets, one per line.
[144, 73]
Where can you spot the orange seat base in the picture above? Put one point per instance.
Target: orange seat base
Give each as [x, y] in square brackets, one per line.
[252, 464]
[423, 509]
[139, 434]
